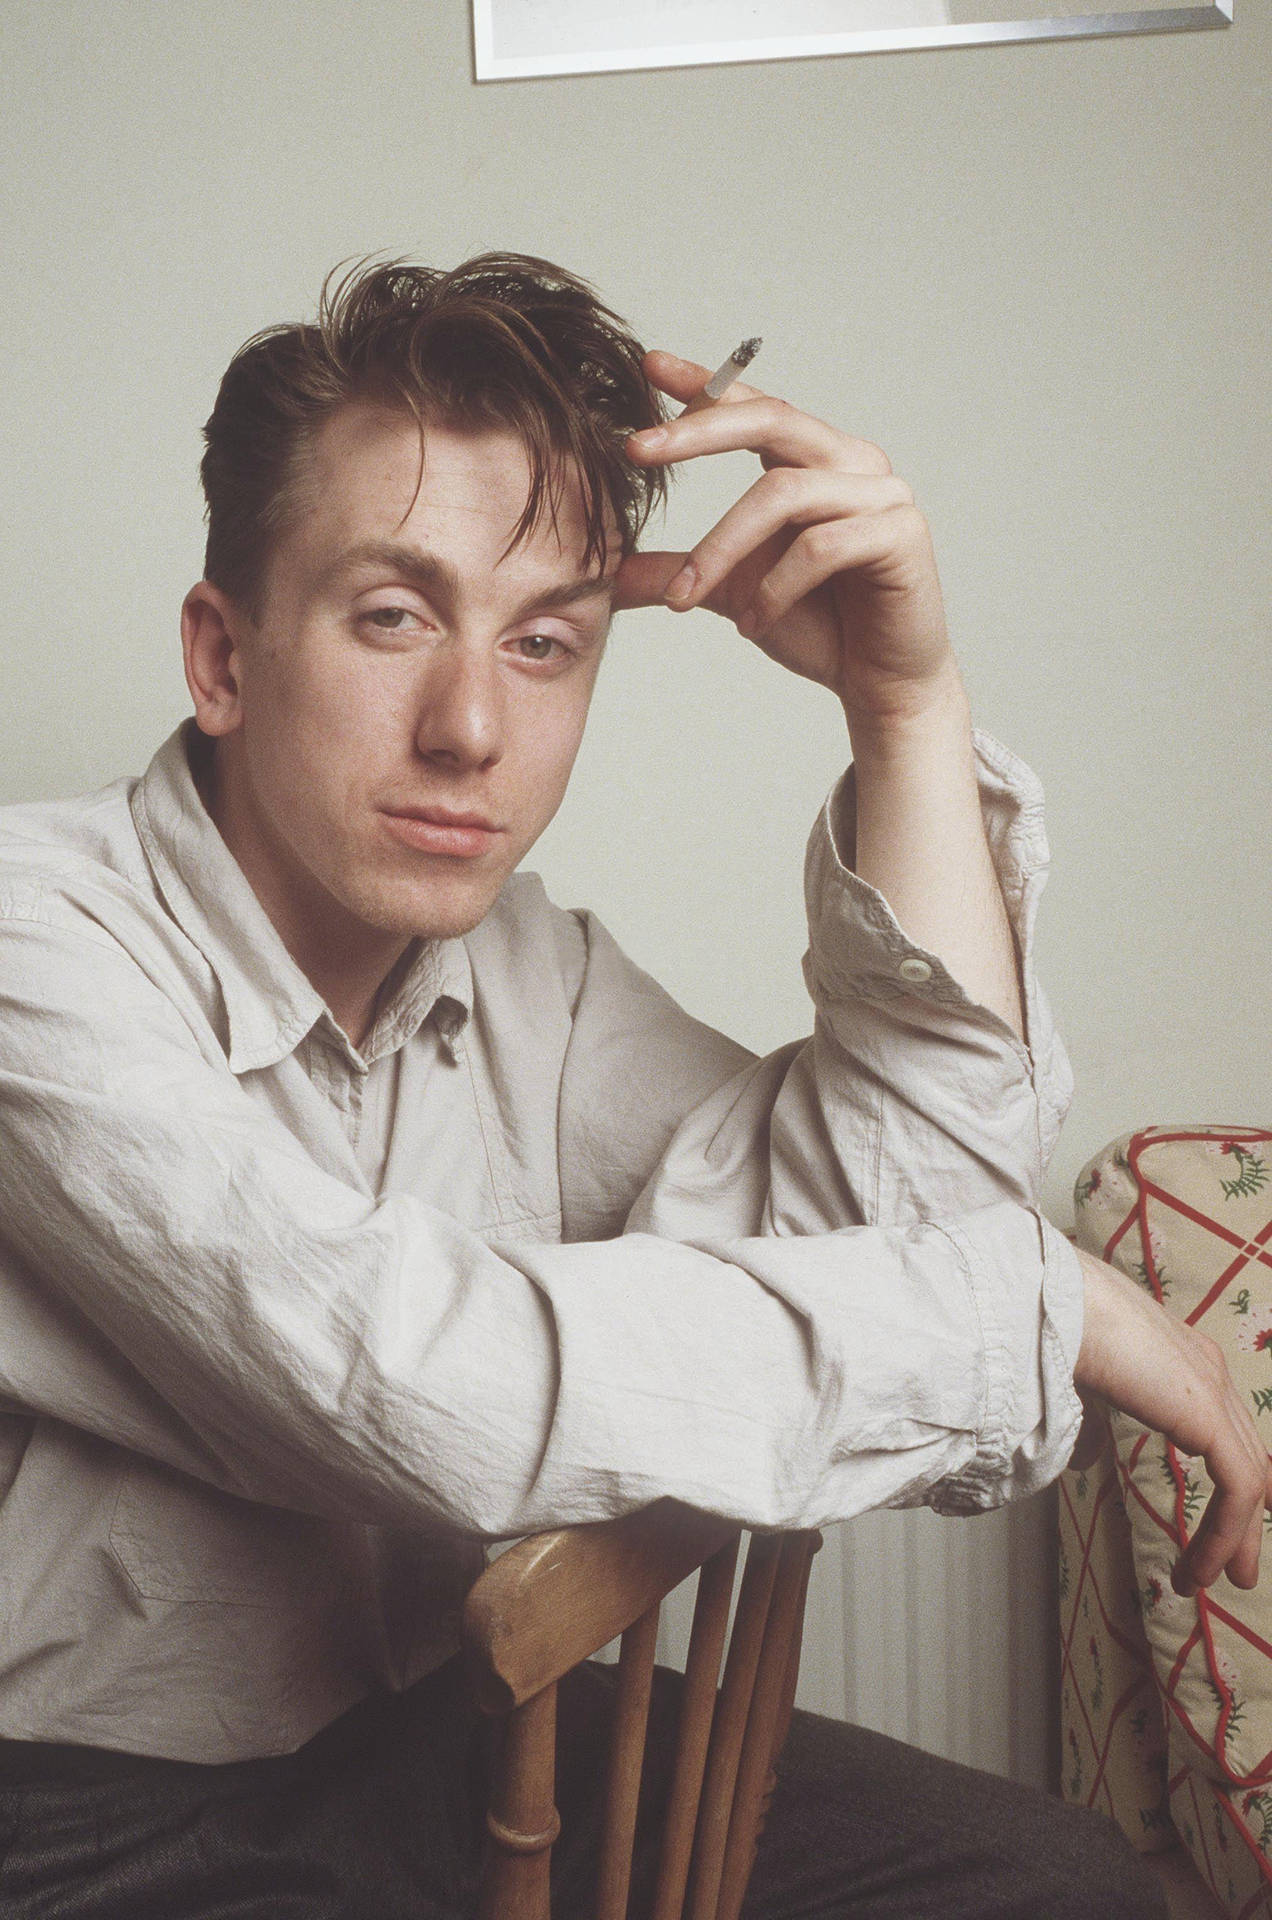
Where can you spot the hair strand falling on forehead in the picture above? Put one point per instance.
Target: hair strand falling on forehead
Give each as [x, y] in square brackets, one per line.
[505, 341]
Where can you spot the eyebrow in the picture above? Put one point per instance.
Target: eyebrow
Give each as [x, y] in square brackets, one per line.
[440, 580]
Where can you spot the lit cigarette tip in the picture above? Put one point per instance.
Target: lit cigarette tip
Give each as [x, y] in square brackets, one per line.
[740, 358]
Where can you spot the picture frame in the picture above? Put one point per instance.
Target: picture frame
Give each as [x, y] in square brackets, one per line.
[527, 39]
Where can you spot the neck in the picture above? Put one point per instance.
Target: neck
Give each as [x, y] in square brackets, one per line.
[351, 984]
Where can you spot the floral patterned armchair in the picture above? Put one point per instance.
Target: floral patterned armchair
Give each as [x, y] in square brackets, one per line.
[1166, 1703]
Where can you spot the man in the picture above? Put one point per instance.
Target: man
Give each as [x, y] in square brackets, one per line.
[357, 1204]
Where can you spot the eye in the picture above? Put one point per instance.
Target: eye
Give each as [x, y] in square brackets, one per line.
[392, 621]
[542, 649]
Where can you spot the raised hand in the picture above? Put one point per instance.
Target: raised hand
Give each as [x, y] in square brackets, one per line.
[825, 562]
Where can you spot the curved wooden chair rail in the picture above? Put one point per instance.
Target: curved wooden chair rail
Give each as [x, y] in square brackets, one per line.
[555, 1600]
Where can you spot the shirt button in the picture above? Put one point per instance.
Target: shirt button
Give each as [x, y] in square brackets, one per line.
[914, 969]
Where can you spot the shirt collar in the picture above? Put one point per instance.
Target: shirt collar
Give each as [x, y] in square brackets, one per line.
[269, 1003]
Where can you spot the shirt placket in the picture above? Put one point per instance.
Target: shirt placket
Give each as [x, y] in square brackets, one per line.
[340, 1078]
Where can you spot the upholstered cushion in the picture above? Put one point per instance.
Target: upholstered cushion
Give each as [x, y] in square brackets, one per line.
[1227, 1830]
[1114, 1743]
[1188, 1212]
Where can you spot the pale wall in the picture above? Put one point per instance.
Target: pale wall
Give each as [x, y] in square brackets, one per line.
[1037, 274]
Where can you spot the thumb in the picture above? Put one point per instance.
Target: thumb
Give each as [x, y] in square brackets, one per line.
[643, 578]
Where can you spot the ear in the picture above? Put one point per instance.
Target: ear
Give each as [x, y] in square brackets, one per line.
[211, 628]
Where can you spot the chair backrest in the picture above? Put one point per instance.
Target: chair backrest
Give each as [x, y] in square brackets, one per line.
[555, 1600]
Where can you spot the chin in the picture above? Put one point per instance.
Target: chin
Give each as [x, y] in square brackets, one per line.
[436, 913]
[451, 926]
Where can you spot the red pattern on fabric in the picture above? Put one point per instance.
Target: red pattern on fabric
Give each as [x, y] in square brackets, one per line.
[1101, 1739]
[1248, 1841]
[1120, 1706]
[1249, 1249]
[1172, 1260]
[1131, 1492]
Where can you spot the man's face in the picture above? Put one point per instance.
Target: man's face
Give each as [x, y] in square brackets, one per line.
[412, 698]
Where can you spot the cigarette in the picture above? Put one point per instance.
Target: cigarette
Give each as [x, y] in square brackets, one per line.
[736, 364]
[725, 374]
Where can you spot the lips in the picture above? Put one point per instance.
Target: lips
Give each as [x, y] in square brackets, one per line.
[459, 836]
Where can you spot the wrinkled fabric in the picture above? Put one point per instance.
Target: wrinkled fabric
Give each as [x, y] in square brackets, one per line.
[287, 1328]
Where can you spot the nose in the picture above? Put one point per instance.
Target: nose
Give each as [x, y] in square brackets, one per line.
[460, 724]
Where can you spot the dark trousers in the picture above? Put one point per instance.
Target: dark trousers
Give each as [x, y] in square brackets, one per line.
[381, 1817]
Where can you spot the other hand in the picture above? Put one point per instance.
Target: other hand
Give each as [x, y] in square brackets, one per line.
[1164, 1373]
[825, 562]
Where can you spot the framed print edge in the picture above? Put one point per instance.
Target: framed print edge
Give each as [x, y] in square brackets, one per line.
[488, 65]
[483, 41]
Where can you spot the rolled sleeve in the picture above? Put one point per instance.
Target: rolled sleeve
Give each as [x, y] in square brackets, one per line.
[938, 1103]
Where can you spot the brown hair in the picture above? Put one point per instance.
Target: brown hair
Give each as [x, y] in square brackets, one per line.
[504, 340]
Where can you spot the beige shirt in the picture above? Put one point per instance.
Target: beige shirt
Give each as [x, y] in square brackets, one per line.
[287, 1328]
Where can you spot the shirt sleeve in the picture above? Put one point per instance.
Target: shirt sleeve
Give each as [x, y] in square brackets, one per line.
[182, 1279]
[938, 1101]
[910, 1103]
[786, 1332]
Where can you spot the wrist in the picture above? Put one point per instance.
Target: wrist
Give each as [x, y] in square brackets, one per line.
[1110, 1303]
[913, 719]
[919, 718]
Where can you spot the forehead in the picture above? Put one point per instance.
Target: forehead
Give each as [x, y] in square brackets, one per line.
[372, 472]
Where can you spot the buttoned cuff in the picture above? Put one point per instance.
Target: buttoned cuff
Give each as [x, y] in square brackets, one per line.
[1031, 1411]
[860, 953]
[858, 947]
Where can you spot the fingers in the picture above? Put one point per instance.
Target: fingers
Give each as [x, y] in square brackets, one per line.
[643, 578]
[844, 521]
[785, 498]
[684, 380]
[1228, 1538]
[879, 542]
[744, 420]
[778, 432]
[827, 506]
[1246, 1480]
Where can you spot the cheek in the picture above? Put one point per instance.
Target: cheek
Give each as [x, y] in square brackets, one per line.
[559, 728]
[331, 715]
[553, 748]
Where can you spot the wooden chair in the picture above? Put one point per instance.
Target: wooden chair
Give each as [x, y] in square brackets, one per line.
[553, 1601]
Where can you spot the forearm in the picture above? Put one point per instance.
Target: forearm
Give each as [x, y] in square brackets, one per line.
[1170, 1377]
[179, 1276]
[921, 841]
[312, 1349]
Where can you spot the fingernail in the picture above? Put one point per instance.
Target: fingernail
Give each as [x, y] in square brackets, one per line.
[1184, 1584]
[682, 586]
[649, 439]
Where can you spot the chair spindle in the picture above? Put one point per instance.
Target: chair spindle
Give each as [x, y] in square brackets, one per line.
[766, 1724]
[523, 1820]
[730, 1723]
[698, 1699]
[627, 1753]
